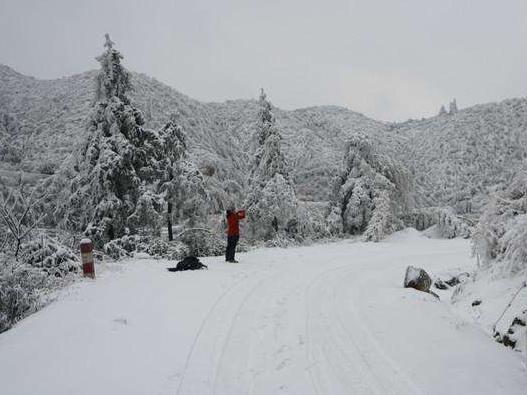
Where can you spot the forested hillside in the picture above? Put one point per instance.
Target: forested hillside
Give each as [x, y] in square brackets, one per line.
[460, 158]
[457, 158]
[53, 114]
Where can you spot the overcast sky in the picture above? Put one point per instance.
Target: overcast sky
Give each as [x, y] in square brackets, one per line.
[389, 59]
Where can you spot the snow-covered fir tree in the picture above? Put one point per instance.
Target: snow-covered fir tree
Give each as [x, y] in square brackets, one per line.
[116, 161]
[442, 110]
[113, 80]
[371, 193]
[271, 202]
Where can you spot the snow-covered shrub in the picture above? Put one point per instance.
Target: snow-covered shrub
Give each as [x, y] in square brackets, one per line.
[20, 287]
[281, 240]
[514, 244]
[203, 243]
[19, 215]
[10, 149]
[49, 256]
[128, 245]
[48, 168]
[371, 193]
[9, 152]
[174, 250]
[500, 236]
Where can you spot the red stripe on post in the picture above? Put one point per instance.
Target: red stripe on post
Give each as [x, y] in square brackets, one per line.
[88, 268]
[86, 245]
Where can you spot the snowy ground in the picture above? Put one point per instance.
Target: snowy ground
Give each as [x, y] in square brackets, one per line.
[326, 319]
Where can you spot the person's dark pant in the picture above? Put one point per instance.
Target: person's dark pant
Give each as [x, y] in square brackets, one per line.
[231, 247]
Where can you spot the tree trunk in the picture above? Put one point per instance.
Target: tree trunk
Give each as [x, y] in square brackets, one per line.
[111, 232]
[169, 221]
[17, 250]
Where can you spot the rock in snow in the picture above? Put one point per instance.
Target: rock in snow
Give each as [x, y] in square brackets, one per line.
[417, 278]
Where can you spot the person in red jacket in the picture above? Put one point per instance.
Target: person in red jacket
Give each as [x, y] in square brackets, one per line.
[233, 232]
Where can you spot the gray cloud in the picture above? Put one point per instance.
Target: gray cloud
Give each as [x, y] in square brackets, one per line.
[390, 59]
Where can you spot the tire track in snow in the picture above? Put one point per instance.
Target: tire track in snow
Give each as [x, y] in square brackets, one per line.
[339, 353]
[394, 377]
[332, 369]
[308, 323]
[229, 334]
[204, 323]
[353, 355]
[240, 344]
[204, 358]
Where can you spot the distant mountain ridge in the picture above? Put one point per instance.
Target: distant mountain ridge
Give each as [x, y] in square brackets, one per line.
[457, 159]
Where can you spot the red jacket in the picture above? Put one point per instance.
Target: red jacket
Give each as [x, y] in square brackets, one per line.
[233, 222]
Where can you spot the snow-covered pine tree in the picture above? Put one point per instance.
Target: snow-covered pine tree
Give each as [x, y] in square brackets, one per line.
[116, 160]
[442, 110]
[453, 107]
[371, 193]
[271, 202]
[113, 80]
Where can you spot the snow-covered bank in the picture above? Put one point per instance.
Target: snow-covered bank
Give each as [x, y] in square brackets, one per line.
[493, 302]
[325, 319]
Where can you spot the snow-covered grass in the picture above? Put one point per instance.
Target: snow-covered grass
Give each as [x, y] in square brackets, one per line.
[325, 319]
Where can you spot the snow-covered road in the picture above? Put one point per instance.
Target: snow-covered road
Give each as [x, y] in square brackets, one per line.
[325, 319]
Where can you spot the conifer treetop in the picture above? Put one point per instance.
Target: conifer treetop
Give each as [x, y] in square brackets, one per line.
[108, 43]
[266, 121]
[113, 80]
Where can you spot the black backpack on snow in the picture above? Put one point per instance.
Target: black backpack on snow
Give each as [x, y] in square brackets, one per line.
[188, 263]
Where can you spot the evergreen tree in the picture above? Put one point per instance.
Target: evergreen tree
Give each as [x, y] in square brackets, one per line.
[113, 80]
[453, 107]
[442, 110]
[371, 193]
[182, 183]
[116, 160]
[271, 203]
